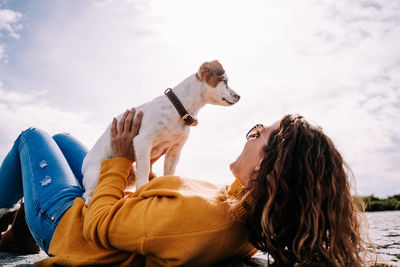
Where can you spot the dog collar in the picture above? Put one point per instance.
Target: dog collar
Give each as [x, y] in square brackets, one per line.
[187, 119]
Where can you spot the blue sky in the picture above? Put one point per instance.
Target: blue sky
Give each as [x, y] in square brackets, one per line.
[70, 66]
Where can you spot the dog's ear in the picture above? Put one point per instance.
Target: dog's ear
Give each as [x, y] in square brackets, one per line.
[211, 72]
[204, 72]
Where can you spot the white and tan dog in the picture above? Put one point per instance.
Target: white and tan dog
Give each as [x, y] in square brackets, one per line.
[162, 130]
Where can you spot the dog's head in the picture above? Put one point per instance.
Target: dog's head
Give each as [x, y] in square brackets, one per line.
[218, 92]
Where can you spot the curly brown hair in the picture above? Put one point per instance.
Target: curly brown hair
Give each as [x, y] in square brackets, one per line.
[301, 210]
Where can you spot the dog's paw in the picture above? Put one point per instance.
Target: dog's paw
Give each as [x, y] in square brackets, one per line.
[87, 201]
[87, 198]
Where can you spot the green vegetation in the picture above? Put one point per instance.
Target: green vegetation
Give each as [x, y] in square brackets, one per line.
[373, 203]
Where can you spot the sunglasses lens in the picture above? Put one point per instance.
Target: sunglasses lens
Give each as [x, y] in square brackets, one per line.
[254, 132]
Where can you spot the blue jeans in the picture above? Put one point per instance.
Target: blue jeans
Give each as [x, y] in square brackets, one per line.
[46, 171]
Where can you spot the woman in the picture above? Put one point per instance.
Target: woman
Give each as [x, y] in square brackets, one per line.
[291, 199]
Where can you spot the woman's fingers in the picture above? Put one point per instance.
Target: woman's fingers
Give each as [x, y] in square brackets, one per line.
[128, 121]
[122, 122]
[127, 125]
[114, 127]
[122, 134]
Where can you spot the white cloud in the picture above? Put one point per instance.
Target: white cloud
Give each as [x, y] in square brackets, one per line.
[9, 22]
[19, 111]
[9, 25]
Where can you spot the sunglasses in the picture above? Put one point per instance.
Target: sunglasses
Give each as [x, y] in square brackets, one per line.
[255, 132]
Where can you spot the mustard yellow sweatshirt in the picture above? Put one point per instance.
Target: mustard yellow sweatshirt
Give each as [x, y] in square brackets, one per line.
[170, 221]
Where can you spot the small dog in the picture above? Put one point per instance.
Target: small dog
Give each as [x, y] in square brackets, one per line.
[162, 129]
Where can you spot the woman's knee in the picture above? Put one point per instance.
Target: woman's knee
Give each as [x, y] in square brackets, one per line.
[61, 136]
[68, 142]
[31, 131]
[74, 152]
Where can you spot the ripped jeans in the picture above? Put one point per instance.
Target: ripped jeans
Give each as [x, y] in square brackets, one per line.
[46, 171]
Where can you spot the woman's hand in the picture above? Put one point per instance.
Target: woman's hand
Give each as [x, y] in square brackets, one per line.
[122, 138]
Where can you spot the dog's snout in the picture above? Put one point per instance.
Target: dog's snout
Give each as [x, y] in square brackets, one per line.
[236, 96]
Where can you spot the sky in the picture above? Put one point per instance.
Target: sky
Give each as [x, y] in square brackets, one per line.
[71, 66]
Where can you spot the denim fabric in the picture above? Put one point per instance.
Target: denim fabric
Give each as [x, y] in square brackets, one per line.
[45, 171]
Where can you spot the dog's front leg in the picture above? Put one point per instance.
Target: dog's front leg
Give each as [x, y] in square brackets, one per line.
[171, 159]
[142, 156]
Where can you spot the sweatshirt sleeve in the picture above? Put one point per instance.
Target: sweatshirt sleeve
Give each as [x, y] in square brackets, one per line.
[105, 200]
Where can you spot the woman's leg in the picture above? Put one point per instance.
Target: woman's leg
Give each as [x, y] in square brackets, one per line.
[10, 181]
[74, 152]
[49, 185]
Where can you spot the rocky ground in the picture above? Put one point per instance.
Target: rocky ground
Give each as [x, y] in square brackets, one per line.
[8, 259]
[384, 231]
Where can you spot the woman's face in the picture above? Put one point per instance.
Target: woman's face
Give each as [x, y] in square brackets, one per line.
[250, 158]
